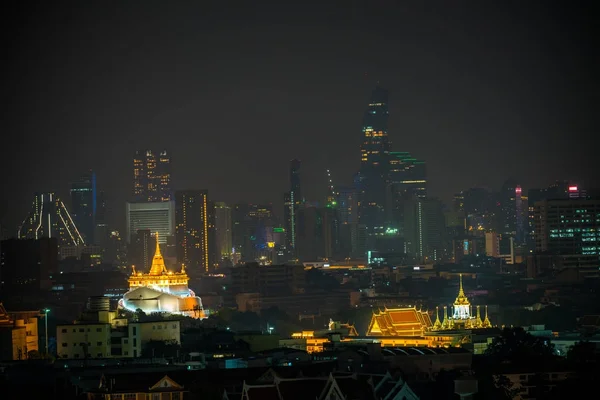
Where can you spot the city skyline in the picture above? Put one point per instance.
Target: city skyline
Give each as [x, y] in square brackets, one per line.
[441, 100]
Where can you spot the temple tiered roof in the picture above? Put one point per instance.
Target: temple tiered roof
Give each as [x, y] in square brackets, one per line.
[399, 322]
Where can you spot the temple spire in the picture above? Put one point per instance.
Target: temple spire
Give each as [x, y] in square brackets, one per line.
[461, 292]
[486, 321]
[437, 325]
[157, 252]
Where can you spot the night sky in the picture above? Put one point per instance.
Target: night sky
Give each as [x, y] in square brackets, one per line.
[234, 90]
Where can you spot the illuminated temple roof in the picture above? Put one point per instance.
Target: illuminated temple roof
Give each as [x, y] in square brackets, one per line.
[158, 275]
[161, 290]
[158, 262]
[399, 322]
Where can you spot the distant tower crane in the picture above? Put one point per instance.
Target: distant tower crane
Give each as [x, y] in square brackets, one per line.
[331, 195]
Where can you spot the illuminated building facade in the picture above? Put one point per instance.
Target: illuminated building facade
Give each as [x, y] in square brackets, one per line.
[83, 205]
[569, 229]
[152, 176]
[461, 315]
[223, 234]
[161, 290]
[155, 216]
[374, 150]
[192, 227]
[292, 202]
[407, 175]
[49, 218]
[424, 229]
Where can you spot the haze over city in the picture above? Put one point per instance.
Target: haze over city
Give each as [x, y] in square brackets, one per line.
[235, 90]
[275, 200]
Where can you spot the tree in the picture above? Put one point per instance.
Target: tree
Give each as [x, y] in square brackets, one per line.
[139, 315]
[582, 353]
[515, 344]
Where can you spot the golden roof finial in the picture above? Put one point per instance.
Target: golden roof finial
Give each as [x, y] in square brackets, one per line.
[157, 252]
[158, 263]
[461, 299]
[438, 324]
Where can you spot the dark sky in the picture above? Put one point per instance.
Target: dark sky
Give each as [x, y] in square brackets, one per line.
[481, 90]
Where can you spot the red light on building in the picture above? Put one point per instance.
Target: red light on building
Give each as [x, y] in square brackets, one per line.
[518, 189]
[572, 188]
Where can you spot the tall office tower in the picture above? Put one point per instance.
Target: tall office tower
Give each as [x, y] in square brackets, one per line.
[347, 214]
[374, 166]
[155, 216]
[317, 232]
[223, 234]
[251, 224]
[291, 202]
[83, 205]
[558, 190]
[508, 208]
[424, 229]
[142, 249]
[101, 231]
[520, 207]
[192, 229]
[477, 204]
[407, 179]
[152, 176]
[49, 218]
[569, 231]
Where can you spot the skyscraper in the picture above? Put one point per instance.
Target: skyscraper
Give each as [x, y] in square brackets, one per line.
[223, 233]
[49, 218]
[374, 166]
[158, 216]
[192, 229]
[83, 205]
[152, 176]
[292, 202]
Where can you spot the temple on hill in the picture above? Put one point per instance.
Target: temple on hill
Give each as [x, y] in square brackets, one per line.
[161, 290]
[462, 315]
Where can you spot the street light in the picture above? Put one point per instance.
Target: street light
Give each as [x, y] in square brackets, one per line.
[46, 311]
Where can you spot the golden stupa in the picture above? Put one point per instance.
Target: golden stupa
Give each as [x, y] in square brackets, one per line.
[462, 314]
[161, 290]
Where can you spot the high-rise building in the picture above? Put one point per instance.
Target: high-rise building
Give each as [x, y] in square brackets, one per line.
[152, 176]
[424, 229]
[251, 225]
[570, 230]
[223, 230]
[192, 214]
[156, 216]
[142, 249]
[374, 166]
[84, 206]
[292, 201]
[49, 218]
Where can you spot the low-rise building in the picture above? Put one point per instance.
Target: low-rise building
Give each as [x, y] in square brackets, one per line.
[18, 334]
[100, 334]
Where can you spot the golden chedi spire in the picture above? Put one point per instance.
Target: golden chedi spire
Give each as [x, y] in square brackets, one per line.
[461, 299]
[486, 321]
[158, 263]
[438, 324]
[478, 321]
